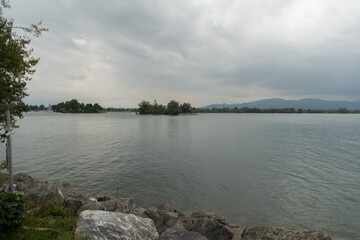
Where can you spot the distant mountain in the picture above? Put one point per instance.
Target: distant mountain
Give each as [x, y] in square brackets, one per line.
[307, 103]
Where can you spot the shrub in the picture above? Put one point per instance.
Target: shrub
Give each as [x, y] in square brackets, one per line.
[12, 212]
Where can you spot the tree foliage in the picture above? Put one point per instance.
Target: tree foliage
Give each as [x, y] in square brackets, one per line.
[172, 108]
[16, 65]
[12, 212]
[73, 106]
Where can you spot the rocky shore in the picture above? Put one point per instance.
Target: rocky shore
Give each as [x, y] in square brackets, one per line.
[105, 218]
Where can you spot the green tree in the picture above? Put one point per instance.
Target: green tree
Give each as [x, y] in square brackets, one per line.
[73, 106]
[185, 108]
[157, 109]
[97, 108]
[42, 107]
[16, 66]
[173, 108]
[145, 107]
[88, 108]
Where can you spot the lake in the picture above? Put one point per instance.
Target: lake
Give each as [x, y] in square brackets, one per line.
[291, 170]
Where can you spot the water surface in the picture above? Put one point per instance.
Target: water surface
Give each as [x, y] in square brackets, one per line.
[292, 170]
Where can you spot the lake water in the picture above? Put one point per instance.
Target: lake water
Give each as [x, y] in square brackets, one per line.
[292, 170]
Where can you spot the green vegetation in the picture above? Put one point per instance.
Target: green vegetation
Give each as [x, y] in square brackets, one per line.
[37, 108]
[111, 109]
[172, 108]
[16, 65]
[73, 106]
[12, 213]
[48, 221]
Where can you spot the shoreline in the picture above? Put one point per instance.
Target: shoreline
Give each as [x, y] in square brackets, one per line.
[164, 218]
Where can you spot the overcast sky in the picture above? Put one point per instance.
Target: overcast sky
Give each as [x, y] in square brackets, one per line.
[118, 53]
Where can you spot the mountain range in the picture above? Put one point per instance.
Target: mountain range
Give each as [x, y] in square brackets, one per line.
[307, 103]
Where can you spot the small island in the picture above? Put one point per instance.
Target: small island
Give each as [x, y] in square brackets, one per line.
[172, 108]
[73, 106]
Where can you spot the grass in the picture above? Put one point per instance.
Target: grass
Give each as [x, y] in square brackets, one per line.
[49, 221]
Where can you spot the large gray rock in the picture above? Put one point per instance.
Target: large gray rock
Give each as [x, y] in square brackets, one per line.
[212, 229]
[212, 216]
[22, 177]
[36, 189]
[237, 232]
[6, 188]
[59, 193]
[75, 202]
[123, 205]
[189, 220]
[140, 212]
[157, 216]
[114, 225]
[163, 220]
[279, 233]
[170, 220]
[180, 234]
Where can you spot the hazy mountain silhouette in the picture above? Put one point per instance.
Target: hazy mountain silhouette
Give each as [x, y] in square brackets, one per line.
[307, 103]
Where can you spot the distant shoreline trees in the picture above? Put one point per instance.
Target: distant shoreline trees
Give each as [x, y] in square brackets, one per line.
[272, 110]
[172, 108]
[73, 106]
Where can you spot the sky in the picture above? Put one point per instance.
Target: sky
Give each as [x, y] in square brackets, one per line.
[118, 53]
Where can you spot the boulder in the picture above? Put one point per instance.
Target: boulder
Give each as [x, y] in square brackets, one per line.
[22, 187]
[36, 189]
[180, 234]
[59, 193]
[140, 212]
[22, 177]
[170, 220]
[279, 233]
[212, 216]
[189, 221]
[123, 205]
[6, 188]
[212, 229]
[157, 216]
[163, 220]
[91, 206]
[237, 231]
[75, 202]
[165, 207]
[115, 225]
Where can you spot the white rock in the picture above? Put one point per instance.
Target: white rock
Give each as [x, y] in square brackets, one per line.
[114, 225]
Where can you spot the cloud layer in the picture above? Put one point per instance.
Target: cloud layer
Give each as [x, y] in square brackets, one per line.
[120, 52]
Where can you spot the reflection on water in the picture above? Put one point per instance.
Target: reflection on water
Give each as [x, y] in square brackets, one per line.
[292, 170]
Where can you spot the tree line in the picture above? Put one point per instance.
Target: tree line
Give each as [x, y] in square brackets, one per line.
[172, 108]
[40, 107]
[73, 106]
[112, 109]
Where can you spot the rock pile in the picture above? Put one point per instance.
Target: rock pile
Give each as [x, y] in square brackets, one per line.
[120, 219]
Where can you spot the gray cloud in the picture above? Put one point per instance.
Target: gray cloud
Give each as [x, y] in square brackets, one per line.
[120, 52]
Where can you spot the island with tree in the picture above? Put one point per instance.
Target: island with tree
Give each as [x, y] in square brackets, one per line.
[172, 108]
[73, 106]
